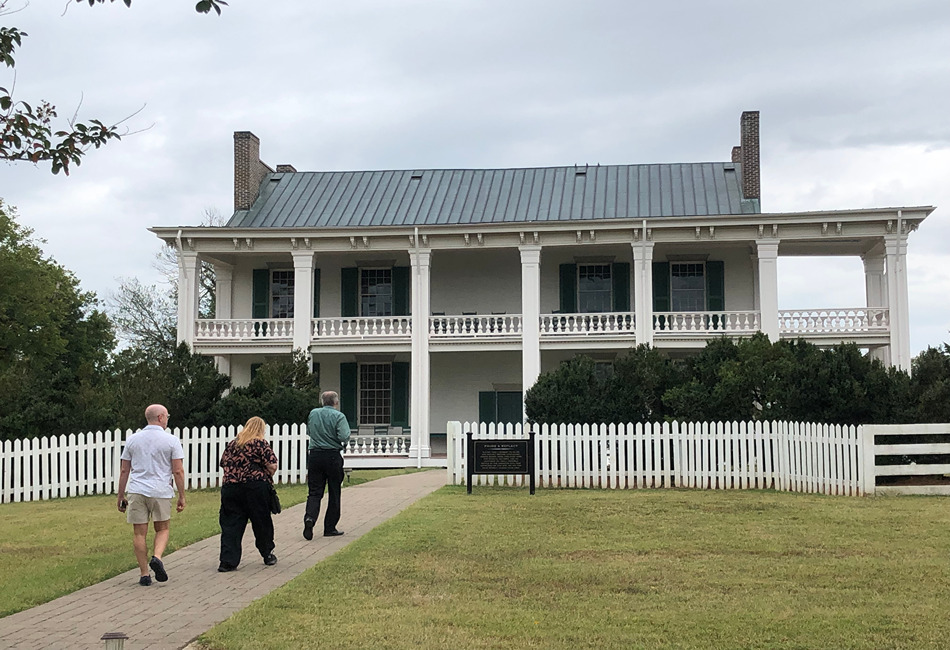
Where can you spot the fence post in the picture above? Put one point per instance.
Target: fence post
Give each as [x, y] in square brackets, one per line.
[866, 459]
[453, 430]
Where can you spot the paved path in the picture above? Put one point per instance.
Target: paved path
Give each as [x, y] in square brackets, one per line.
[197, 597]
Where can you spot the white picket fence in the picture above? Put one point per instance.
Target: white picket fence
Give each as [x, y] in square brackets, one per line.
[788, 456]
[88, 463]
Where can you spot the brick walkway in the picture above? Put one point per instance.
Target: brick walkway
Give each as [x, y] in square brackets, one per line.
[197, 597]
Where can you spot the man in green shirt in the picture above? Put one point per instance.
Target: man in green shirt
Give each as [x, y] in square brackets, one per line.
[329, 433]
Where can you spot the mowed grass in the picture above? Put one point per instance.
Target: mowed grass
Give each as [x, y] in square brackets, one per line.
[52, 548]
[623, 569]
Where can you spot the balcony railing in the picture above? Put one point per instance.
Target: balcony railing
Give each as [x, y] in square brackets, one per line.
[587, 324]
[706, 322]
[373, 327]
[474, 326]
[815, 322]
[244, 329]
[833, 321]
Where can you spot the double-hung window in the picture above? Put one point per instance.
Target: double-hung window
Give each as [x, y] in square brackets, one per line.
[375, 393]
[688, 286]
[376, 292]
[594, 288]
[282, 294]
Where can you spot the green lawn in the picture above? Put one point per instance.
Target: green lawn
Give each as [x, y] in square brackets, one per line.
[51, 548]
[623, 569]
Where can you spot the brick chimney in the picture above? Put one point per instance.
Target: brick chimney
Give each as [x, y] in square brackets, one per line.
[749, 154]
[249, 171]
[286, 169]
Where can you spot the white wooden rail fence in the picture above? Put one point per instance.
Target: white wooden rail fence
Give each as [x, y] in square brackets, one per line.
[795, 457]
[921, 451]
[88, 463]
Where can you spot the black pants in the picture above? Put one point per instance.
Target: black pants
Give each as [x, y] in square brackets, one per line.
[241, 502]
[324, 469]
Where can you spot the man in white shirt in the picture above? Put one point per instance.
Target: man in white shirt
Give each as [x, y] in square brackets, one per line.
[151, 459]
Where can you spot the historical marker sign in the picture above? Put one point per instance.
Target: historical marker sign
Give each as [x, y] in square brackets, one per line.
[500, 457]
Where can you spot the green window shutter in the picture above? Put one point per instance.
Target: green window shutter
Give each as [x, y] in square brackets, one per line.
[316, 293]
[260, 293]
[487, 406]
[568, 292]
[348, 393]
[350, 291]
[400, 291]
[510, 407]
[715, 286]
[400, 395]
[661, 286]
[620, 276]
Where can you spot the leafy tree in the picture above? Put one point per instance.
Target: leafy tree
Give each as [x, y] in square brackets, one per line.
[747, 379]
[282, 392]
[54, 342]
[931, 384]
[145, 316]
[577, 393]
[185, 382]
[203, 6]
[636, 385]
[27, 131]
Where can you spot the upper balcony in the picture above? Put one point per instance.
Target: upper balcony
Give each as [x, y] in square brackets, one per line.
[863, 325]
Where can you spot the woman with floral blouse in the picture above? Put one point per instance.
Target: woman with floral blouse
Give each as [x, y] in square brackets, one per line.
[249, 463]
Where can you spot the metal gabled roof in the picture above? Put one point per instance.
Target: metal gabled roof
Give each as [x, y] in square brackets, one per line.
[430, 197]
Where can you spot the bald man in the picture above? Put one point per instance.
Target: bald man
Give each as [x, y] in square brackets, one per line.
[152, 458]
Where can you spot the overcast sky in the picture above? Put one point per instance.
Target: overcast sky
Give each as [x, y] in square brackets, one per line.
[853, 95]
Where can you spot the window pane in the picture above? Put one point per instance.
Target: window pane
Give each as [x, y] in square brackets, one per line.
[376, 292]
[282, 294]
[375, 392]
[688, 287]
[594, 288]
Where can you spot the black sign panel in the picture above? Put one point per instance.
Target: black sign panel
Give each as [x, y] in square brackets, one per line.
[500, 457]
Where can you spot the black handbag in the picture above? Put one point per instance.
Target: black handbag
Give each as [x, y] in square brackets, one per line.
[274, 499]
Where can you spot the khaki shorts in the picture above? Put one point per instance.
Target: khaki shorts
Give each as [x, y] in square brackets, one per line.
[142, 507]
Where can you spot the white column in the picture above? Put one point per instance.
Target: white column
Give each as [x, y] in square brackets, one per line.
[223, 283]
[223, 363]
[895, 251]
[875, 287]
[419, 398]
[303, 300]
[767, 253]
[643, 290]
[530, 315]
[188, 268]
[755, 281]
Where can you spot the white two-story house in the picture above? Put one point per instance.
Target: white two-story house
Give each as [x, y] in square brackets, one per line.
[428, 295]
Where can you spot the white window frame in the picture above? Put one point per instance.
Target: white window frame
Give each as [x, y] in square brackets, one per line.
[688, 292]
[282, 303]
[609, 292]
[368, 296]
[375, 402]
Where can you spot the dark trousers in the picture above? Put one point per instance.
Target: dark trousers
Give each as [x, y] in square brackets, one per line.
[240, 503]
[324, 470]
